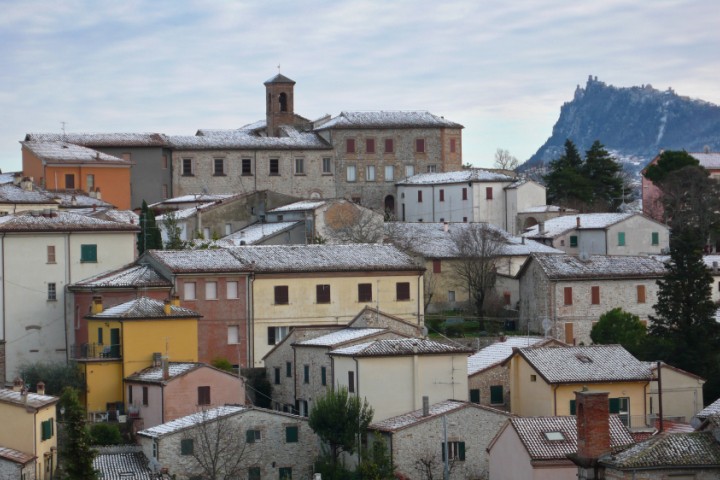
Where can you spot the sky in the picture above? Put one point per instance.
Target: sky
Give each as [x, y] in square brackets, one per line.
[501, 68]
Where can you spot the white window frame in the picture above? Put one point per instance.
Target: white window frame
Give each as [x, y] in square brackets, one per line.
[233, 334]
[326, 165]
[189, 291]
[232, 289]
[211, 291]
[299, 166]
[351, 171]
[370, 173]
[389, 173]
[409, 170]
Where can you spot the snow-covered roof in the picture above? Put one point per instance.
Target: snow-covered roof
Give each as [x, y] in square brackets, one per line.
[144, 307]
[102, 139]
[547, 209]
[532, 430]
[498, 352]
[136, 276]
[192, 420]
[299, 206]
[290, 138]
[79, 199]
[669, 450]
[30, 399]
[59, 221]
[710, 411]
[193, 198]
[255, 233]
[710, 160]
[195, 261]
[121, 216]
[593, 363]
[341, 336]
[8, 177]
[432, 241]
[155, 374]
[568, 267]
[588, 221]
[388, 119]
[412, 418]
[15, 194]
[64, 152]
[127, 463]
[16, 456]
[462, 176]
[279, 78]
[402, 346]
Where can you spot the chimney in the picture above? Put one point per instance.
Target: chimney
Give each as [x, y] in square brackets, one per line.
[446, 227]
[156, 359]
[97, 305]
[98, 195]
[541, 228]
[426, 406]
[165, 368]
[593, 425]
[17, 178]
[167, 307]
[26, 184]
[40, 388]
[18, 384]
[91, 193]
[522, 240]
[503, 338]
[73, 200]
[175, 300]
[577, 220]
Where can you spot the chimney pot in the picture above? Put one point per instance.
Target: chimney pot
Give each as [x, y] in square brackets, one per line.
[18, 384]
[165, 369]
[175, 300]
[577, 220]
[426, 405]
[446, 227]
[97, 305]
[167, 307]
[40, 388]
[541, 228]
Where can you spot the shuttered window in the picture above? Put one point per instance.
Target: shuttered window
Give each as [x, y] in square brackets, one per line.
[442, 195]
[47, 429]
[595, 294]
[281, 295]
[569, 334]
[567, 291]
[186, 446]
[475, 395]
[655, 238]
[322, 293]
[88, 253]
[204, 395]
[350, 145]
[437, 266]
[621, 239]
[496, 395]
[641, 294]
[365, 292]
[402, 291]
[291, 434]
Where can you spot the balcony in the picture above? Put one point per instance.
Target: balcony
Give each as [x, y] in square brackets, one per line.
[95, 351]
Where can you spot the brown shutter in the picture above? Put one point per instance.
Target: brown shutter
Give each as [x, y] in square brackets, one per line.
[569, 336]
[641, 294]
[281, 295]
[365, 292]
[595, 293]
[568, 295]
[402, 291]
[322, 293]
[437, 266]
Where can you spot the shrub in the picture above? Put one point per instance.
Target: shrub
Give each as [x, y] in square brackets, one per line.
[105, 434]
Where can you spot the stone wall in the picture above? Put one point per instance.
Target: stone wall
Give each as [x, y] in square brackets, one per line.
[497, 375]
[3, 380]
[10, 469]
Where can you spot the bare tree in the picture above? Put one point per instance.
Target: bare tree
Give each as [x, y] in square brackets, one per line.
[350, 223]
[430, 284]
[505, 161]
[477, 247]
[429, 466]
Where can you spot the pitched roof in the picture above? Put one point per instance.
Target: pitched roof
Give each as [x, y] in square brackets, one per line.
[709, 160]
[547, 208]
[403, 346]
[192, 420]
[32, 400]
[60, 221]
[279, 78]
[588, 221]
[568, 267]
[102, 139]
[432, 241]
[388, 119]
[255, 233]
[586, 364]
[341, 336]
[175, 369]
[144, 307]
[123, 466]
[196, 261]
[711, 410]
[415, 417]
[291, 138]
[531, 431]
[16, 456]
[299, 206]
[498, 352]
[136, 276]
[668, 450]
[462, 176]
[69, 153]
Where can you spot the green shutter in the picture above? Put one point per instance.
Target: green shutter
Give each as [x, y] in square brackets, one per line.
[291, 434]
[442, 449]
[496, 395]
[323, 375]
[45, 426]
[572, 407]
[621, 239]
[88, 253]
[254, 473]
[573, 241]
[614, 405]
[288, 369]
[250, 436]
[655, 238]
[462, 451]
[286, 473]
[186, 446]
[475, 395]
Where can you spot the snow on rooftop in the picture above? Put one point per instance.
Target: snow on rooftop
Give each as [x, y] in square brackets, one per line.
[547, 209]
[388, 119]
[559, 225]
[16, 456]
[128, 276]
[498, 352]
[189, 261]
[64, 152]
[60, 221]
[462, 176]
[246, 139]
[155, 374]
[192, 420]
[130, 465]
[416, 416]
[678, 449]
[30, 399]
[144, 307]
[193, 198]
[254, 233]
[711, 410]
[403, 346]
[341, 336]
[600, 266]
[299, 206]
[102, 139]
[709, 160]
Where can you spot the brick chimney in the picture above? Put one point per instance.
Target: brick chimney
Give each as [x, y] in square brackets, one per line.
[40, 388]
[593, 433]
[18, 384]
[577, 220]
[97, 305]
[165, 368]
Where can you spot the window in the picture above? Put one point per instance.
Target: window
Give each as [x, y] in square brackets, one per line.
[252, 436]
[90, 182]
[186, 446]
[655, 238]
[533, 378]
[246, 167]
[409, 170]
[219, 167]
[453, 145]
[130, 395]
[277, 375]
[455, 451]
[69, 181]
[165, 162]
[496, 395]
[402, 291]
[351, 382]
[464, 219]
[254, 473]
[276, 334]
[389, 146]
[291, 434]
[369, 145]
[621, 239]
[475, 395]
[164, 191]
[568, 295]
[210, 290]
[274, 167]
[299, 166]
[370, 173]
[203, 395]
[554, 436]
[323, 376]
[322, 293]
[288, 369]
[420, 145]
[431, 168]
[507, 298]
[451, 295]
[389, 173]
[326, 165]
[351, 173]
[437, 266]
[47, 429]
[595, 294]
[285, 473]
[145, 396]
[52, 291]
[365, 292]
[281, 295]
[88, 253]
[232, 289]
[187, 169]
[350, 145]
[488, 193]
[464, 193]
[573, 240]
[640, 293]
[306, 373]
[419, 196]
[442, 195]
[233, 336]
[621, 407]
[189, 290]
[100, 336]
[569, 333]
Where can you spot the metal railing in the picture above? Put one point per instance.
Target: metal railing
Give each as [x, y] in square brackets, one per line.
[95, 351]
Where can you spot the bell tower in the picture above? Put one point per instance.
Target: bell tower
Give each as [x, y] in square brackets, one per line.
[279, 103]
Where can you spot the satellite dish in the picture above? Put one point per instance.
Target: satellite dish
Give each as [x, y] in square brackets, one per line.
[547, 325]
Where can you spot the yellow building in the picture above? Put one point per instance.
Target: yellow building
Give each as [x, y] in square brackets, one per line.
[129, 337]
[543, 381]
[29, 426]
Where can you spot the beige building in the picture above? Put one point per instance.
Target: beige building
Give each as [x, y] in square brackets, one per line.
[395, 375]
[682, 394]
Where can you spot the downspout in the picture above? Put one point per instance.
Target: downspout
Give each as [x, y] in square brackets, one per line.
[4, 317]
[162, 401]
[555, 387]
[357, 377]
[420, 294]
[433, 203]
[250, 320]
[68, 273]
[415, 378]
[295, 370]
[255, 171]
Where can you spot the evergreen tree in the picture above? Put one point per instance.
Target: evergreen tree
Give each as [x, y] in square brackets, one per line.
[604, 174]
[174, 232]
[149, 237]
[566, 184]
[669, 161]
[76, 453]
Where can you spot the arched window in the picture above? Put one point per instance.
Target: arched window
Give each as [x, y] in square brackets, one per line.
[283, 102]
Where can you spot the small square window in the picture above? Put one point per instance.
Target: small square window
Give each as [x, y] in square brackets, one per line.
[186, 446]
[431, 168]
[365, 292]
[533, 378]
[187, 169]
[252, 436]
[88, 253]
[254, 473]
[437, 266]
[281, 295]
[402, 291]
[322, 293]
[496, 395]
[291, 434]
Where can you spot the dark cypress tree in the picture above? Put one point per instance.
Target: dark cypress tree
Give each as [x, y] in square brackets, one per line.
[76, 453]
[149, 237]
[566, 184]
[604, 174]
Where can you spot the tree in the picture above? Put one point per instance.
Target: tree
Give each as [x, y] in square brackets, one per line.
[338, 419]
[477, 247]
[669, 161]
[619, 326]
[55, 376]
[105, 434]
[346, 222]
[376, 462]
[76, 453]
[149, 237]
[691, 199]
[605, 176]
[565, 182]
[174, 232]
[505, 161]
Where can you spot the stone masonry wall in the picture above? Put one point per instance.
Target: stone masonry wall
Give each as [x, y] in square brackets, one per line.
[482, 381]
[2, 363]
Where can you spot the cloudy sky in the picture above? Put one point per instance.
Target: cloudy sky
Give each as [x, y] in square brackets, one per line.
[501, 68]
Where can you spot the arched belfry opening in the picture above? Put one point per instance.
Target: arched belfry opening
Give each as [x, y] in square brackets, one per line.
[279, 109]
[283, 102]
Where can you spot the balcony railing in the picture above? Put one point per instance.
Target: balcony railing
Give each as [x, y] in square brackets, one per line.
[88, 351]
